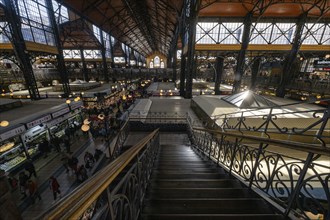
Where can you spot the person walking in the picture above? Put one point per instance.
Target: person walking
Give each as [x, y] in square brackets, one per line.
[54, 186]
[82, 173]
[23, 180]
[65, 161]
[33, 190]
[30, 168]
[56, 143]
[67, 144]
[73, 164]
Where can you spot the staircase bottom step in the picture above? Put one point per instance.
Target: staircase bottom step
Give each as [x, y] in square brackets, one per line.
[207, 206]
[212, 217]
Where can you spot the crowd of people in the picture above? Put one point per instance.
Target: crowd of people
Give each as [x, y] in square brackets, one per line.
[113, 112]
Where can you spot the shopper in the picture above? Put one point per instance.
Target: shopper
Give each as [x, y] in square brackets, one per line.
[89, 160]
[23, 179]
[73, 164]
[65, 161]
[30, 168]
[33, 190]
[67, 144]
[56, 142]
[43, 147]
[54, 186]
[82, 173]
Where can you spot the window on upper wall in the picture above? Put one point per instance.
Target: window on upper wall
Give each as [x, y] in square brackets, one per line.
[316, 33]
[96, 32]
[151, 64]
[72, 54]
[35, 21]
[207, 32]
[61, 12]
[283, 33]
[162, 64]
[4, 32]
[230, 33]
[178, 54]
[261, 33]
[119, 59]
[156, 62]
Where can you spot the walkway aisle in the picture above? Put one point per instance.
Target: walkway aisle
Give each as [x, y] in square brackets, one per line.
[67, 181]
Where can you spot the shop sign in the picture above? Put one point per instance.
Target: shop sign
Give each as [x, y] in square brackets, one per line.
[321, 63]
[75, 105]
[38, 121]
[57, 121]
[12, 133]
[61, 112]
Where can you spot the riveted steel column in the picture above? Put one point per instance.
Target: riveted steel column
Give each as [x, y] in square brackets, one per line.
[18, 42]
[255, 71]
[241, 55]
[183, 75]
[174, 65]
[84, 69]
[104, 59]
[219, 69]
[291, 58]
[59, 57]
[194, 9]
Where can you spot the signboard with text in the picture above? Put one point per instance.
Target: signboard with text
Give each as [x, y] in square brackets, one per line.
[38, 121]
[321, 63]
[12, 133]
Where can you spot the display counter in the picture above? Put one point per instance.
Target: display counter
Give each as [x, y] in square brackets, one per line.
[59, 129]
[33, 137]
[12, 154]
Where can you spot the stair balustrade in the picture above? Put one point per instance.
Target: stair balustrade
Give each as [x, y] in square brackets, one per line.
[116, 191]
[298, 186]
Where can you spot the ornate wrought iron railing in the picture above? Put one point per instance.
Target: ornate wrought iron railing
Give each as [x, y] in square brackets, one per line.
[297, 185]
[311, 126]
[121, 138]
[115, 192]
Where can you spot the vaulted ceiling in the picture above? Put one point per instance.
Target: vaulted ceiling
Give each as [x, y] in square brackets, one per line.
[265, 8]
[144, 25]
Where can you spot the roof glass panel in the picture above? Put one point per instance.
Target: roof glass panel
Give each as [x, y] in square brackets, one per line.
[261, 33]
[230, 33]
[283, 33]
[313, 33]
[248, 99]
[207, 32]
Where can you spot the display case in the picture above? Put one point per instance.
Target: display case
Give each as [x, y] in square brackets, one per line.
[12, 154]
[33, 144]
[59, 129]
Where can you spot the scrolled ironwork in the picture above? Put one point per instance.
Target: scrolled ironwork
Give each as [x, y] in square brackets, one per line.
[308, 200]
[299, 186]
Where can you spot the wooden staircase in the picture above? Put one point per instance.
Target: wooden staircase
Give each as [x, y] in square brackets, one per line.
[183, 186]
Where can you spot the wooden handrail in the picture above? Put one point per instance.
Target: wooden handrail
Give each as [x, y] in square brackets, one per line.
[76, 204]
[312, 148]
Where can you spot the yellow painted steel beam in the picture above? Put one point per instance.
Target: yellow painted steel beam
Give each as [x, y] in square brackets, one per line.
[108, 60]
[32, 46]
[260, 47]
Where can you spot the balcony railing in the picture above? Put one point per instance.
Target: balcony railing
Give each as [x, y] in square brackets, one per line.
[284, 122]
